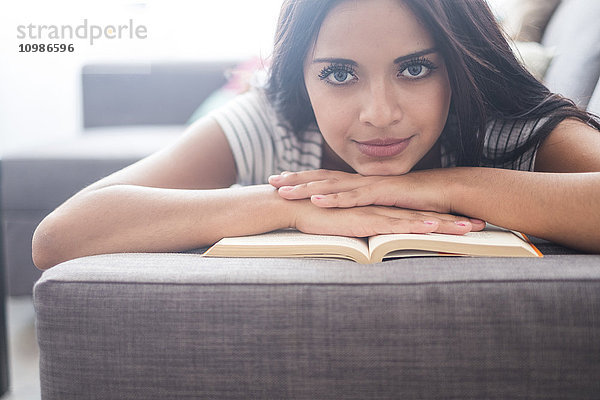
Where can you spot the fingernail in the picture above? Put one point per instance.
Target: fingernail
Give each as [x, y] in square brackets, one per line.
[317, 197]
[430, 222]
[476, 221]
[286, 188]
[460, 223]
[275, 178]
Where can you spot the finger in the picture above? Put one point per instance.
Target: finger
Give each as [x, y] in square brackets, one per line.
[452, 224]
[287, 178]
[462, 223]
[322, 187]
[457, 218]
[447, 223]
[397, 220]
[458, 227]
[478, 225]
[454, 227]
[296, 178]
[387, 225]
[359, 196]
[368, 221]
[427, 222]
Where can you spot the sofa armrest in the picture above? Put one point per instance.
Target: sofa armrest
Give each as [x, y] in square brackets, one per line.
[175, 326]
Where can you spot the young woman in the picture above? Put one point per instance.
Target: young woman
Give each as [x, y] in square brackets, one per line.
[403, 116]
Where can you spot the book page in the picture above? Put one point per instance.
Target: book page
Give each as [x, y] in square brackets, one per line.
[293, 237]
[490, 235]
[291, 243]
[493, 241]
[418, 253]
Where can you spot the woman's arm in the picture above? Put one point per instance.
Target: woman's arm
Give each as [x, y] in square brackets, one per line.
[560, 202]
[131, 218]
[179, 199]
[163, 202]
[563, 208]
[561, 205]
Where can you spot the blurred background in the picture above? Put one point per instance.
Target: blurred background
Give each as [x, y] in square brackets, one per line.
[40, 92]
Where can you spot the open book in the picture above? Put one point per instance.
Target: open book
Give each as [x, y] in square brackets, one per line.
[491, 242]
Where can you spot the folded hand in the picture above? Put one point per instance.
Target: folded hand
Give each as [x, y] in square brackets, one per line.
[406, 196]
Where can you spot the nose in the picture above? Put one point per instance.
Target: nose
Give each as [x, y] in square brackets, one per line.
[381, 107]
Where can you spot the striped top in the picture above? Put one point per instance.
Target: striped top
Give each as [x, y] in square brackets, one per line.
[263, 146]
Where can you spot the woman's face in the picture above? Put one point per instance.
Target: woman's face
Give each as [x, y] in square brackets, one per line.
[378, 86]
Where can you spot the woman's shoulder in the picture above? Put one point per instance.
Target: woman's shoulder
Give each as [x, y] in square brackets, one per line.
[507, 143]
[247, 111]
[512, 143]
[509, 133]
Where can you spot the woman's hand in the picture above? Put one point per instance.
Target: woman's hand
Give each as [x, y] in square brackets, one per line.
[421, 190]
[365, 221]
[325, 188]
[339, 189]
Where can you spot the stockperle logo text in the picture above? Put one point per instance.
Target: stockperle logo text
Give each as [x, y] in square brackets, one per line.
[87, 31]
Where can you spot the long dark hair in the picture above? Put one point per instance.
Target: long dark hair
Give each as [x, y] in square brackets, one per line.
[486, 79]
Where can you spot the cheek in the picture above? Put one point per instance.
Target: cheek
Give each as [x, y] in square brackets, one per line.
[333, 114]
[433, 107]
[444, 97]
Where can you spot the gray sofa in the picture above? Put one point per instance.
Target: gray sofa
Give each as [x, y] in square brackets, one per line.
[179, 326]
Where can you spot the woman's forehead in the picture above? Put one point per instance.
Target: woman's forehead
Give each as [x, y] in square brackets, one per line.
[366, 26]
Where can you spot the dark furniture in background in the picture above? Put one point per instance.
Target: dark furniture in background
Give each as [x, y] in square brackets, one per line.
[3, 327]
[147, 94]
[130, 111]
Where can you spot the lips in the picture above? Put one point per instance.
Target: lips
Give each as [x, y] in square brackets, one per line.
[383, 147]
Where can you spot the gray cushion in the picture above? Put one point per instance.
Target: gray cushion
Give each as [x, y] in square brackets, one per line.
[147, 94]
[575, 32]
[178, 326]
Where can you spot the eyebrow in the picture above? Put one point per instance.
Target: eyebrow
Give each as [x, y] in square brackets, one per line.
[414, 55]
[354, 63]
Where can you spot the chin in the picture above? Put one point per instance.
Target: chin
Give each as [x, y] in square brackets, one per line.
[382, 169]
